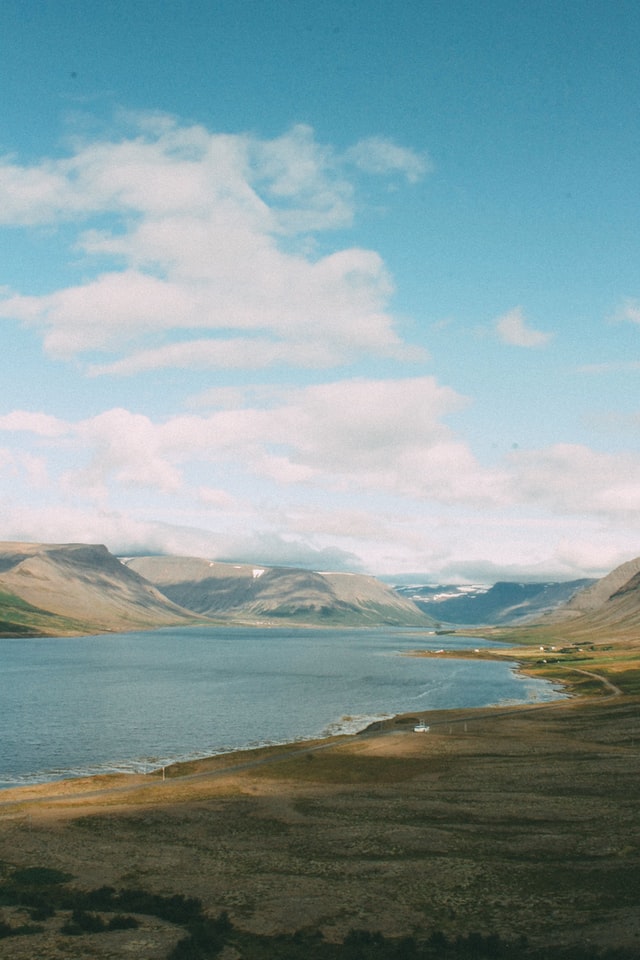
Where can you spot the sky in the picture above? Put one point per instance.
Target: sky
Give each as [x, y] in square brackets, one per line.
[342, 285]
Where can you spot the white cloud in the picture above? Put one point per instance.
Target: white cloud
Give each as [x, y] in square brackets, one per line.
[366, 471]
[217, 499]
[104, 313]
[513, 329]
[207, 233]
[366, 435]
[379, 155]
[42, 424]
[573, 479]
[36, 195]
[124, 448]
[239, 353]
[23, 469]
[630, 310]
[306, 181]
[385, 435]
[370, 438]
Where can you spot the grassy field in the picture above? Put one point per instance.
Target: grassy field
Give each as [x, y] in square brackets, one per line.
[510, 831]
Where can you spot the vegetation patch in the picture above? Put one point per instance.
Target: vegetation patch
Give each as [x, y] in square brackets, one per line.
[205, 937]
[627, 680]
[333, 767]
[45, 892]
[20, 619]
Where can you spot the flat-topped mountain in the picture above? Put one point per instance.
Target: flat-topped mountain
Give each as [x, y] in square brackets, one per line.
[75, 588]
[65, 589]
[257, 593]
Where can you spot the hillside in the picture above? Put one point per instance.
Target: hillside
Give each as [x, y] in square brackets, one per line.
[62, 589]
[599, 593]
[503, 603]
[253, 593]
[608, 610]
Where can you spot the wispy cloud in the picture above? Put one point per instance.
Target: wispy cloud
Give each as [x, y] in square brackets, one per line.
[512, 328]
[381, 156]
[571, 478]
[612, 366]
[630, 310]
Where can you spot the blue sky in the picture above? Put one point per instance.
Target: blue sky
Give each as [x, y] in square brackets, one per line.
[347, 285]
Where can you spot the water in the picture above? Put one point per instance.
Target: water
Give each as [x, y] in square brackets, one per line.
[137, 701]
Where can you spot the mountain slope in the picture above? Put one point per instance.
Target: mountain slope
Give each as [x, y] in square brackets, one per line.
[240, 591]
[20, 619]
[597, 595]
[610, 609]
[622, 607]
[503, 603]
[82, 587]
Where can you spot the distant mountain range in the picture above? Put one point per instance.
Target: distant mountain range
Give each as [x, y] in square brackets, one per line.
[257, 593]
[75, 589]
[502, 603]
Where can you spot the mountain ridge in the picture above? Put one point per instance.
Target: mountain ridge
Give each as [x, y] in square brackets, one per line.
[610, 606]
[252, 592]
[84, 587]
[77, 588]
[506, 602]
[80, 589]
[595, 596]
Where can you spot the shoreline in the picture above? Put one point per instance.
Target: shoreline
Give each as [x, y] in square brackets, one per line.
[376, 724]
[163, 785]
[482, 813]
[101, 792]
[527, 661]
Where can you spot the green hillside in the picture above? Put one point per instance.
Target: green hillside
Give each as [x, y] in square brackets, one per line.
[20, 619]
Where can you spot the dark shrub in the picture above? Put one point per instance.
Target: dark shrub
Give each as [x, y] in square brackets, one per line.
[83, 922]
[39, 877]
[120, 922]
[42, 912]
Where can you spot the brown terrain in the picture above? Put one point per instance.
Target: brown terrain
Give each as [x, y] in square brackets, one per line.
[520, 821]
[250, 593]
[77, 588]
[515, 821]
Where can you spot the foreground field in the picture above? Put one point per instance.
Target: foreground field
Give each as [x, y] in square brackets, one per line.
[520, 823]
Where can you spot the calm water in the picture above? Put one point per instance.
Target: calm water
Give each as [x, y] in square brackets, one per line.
[137, 701]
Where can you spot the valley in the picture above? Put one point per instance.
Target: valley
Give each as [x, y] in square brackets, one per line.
[503, 831]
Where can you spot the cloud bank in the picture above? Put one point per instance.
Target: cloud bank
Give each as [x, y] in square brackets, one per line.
[300, 426]
[207, 244]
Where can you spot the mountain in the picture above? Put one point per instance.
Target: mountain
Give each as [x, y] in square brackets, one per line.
[74, 588]
[611, 606]
[258, 593]
[503, 603]
[602, 590]
[622, 608]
